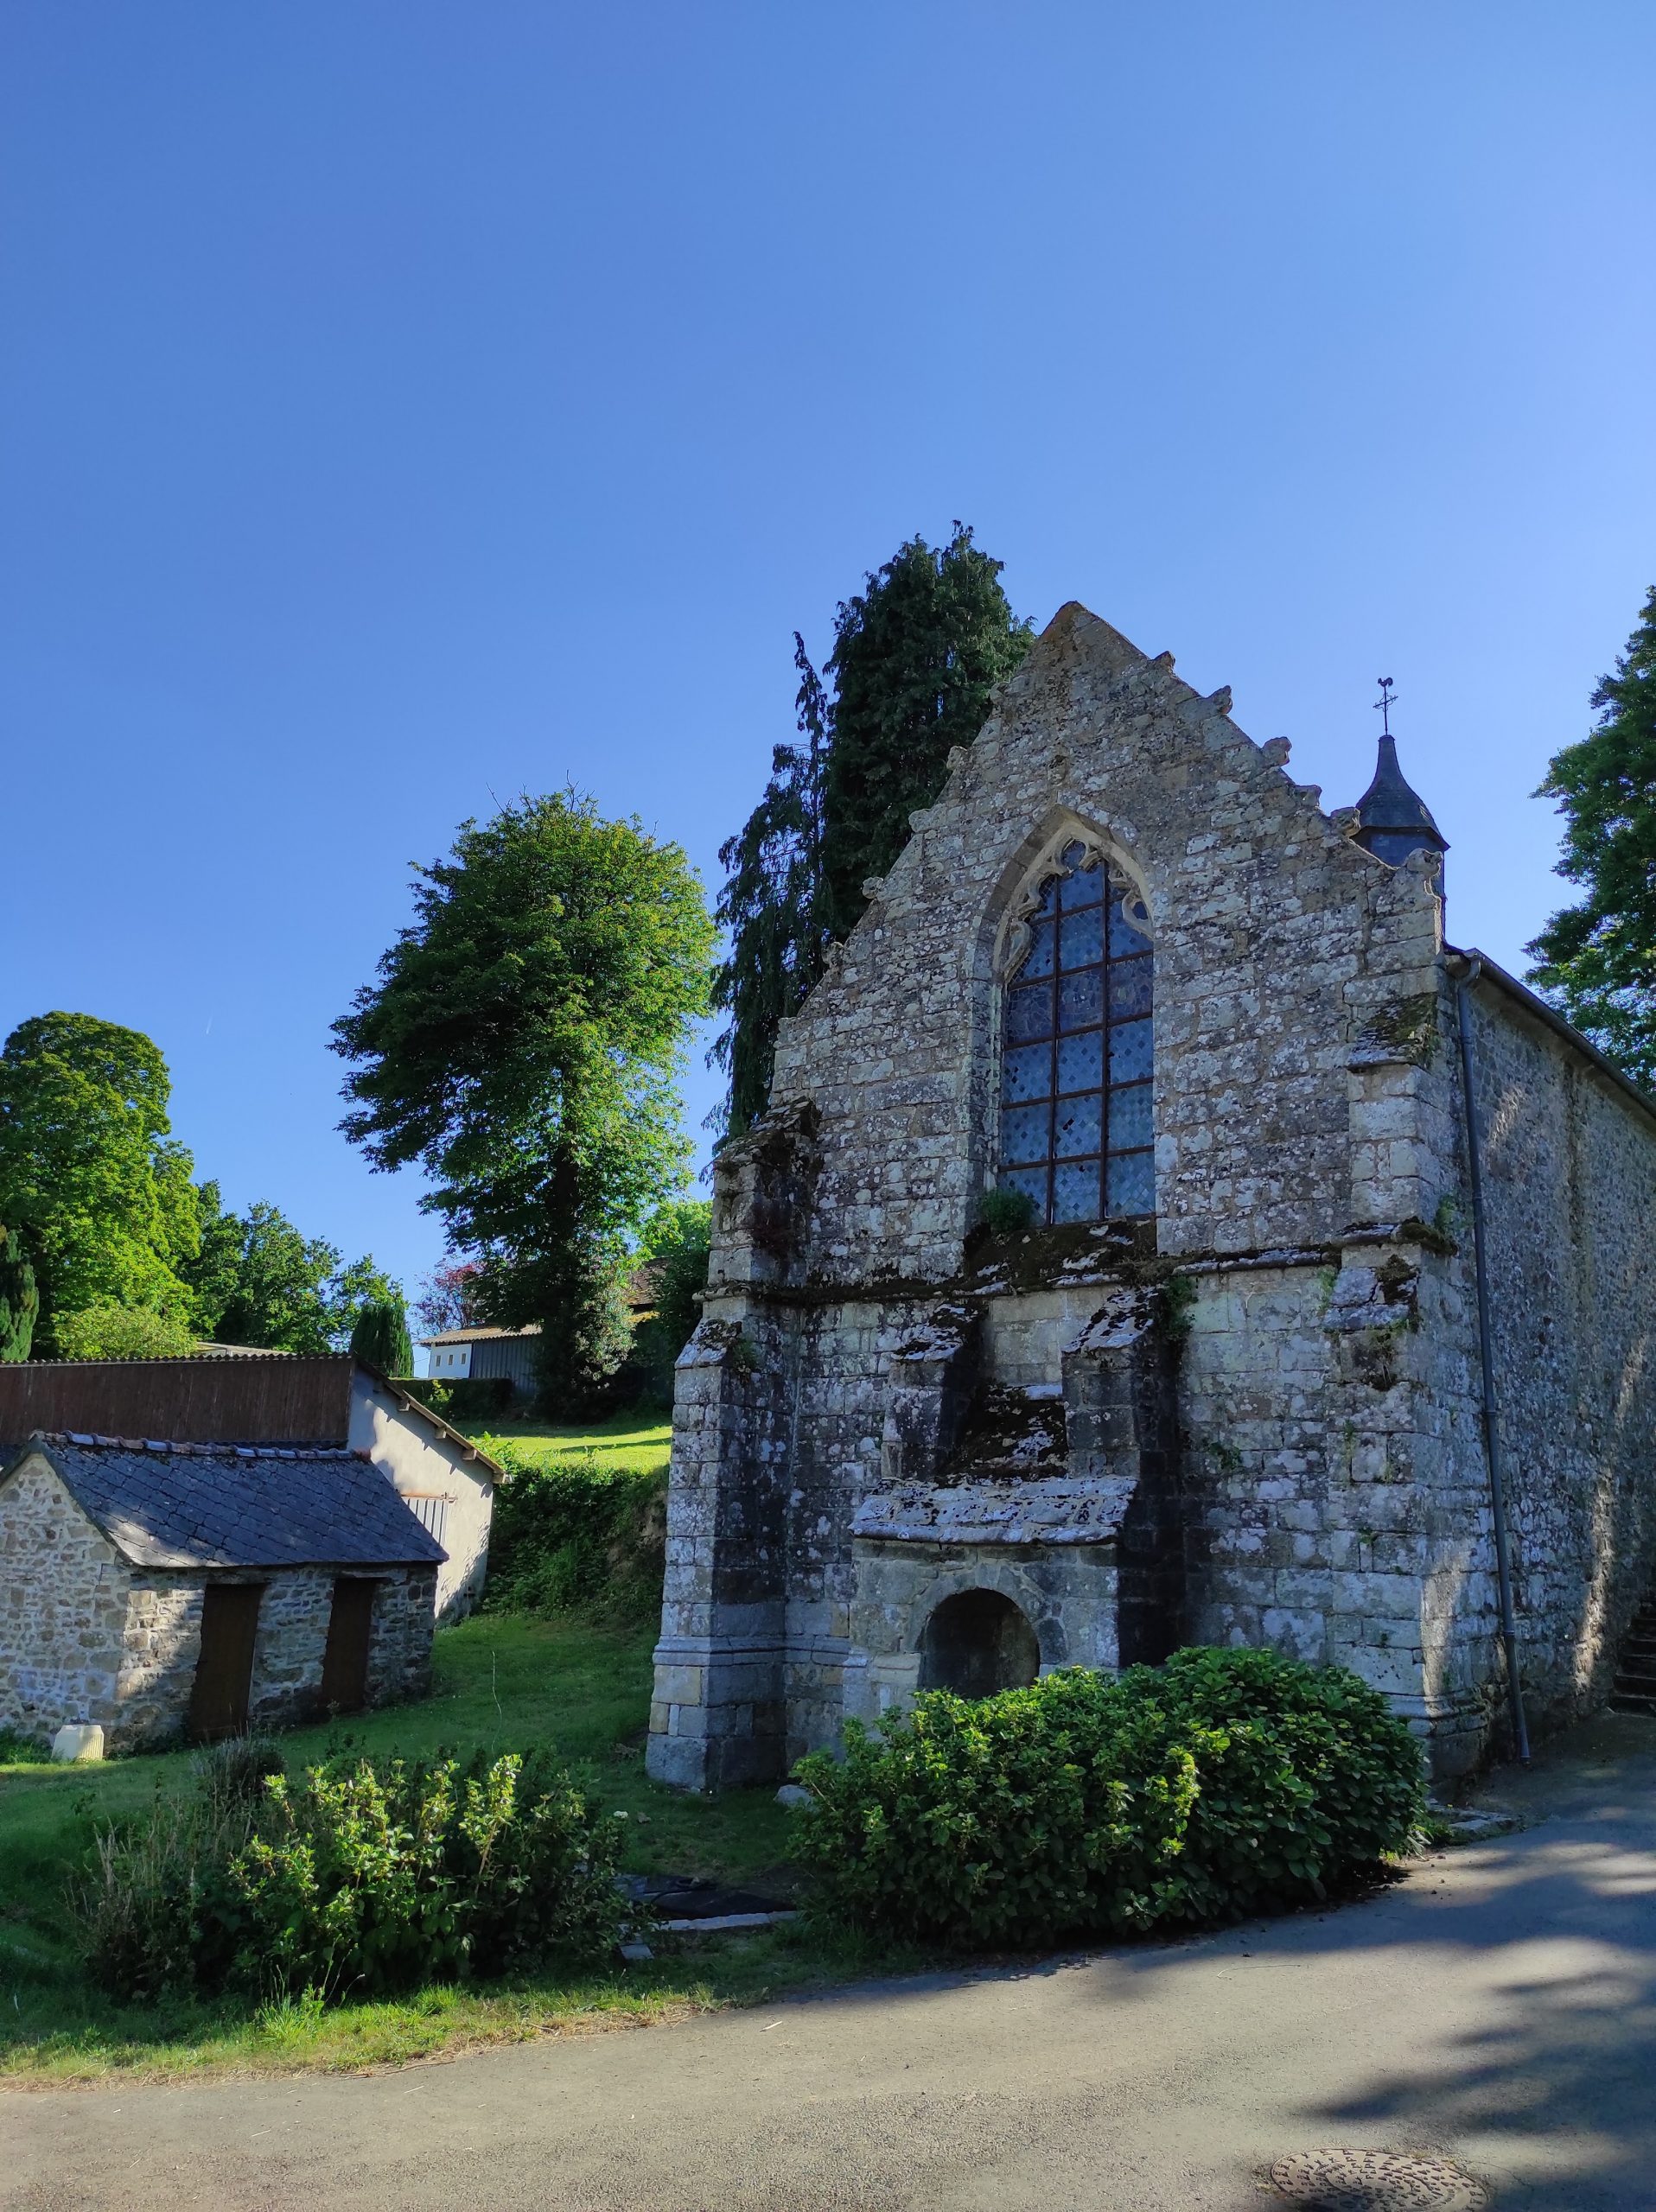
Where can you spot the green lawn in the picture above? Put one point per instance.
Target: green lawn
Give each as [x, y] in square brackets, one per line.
[500, 1683]
[626, 1439]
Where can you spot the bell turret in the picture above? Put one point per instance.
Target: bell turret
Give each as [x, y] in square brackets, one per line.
[1393, 819]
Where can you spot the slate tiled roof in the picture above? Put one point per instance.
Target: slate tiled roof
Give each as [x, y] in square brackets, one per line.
[183, 1505]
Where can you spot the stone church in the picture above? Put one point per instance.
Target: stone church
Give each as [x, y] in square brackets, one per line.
[1293, 1350]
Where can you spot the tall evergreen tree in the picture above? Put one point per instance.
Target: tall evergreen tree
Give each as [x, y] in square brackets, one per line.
[19, 1298]
[772, 908]
[1597, 960]
[380, 1337]
[915, 657]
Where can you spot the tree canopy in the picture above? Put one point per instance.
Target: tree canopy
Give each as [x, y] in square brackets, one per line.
[260, 1281]
[522, 1043]
[916, 655]
[90, 1175]
[1597, 959]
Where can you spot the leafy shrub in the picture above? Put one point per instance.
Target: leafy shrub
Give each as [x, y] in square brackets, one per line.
[1224, 1784]
[124, 1332]
[357, 1877]
[578, 1536]
[1007, 1212]
[157, 1911]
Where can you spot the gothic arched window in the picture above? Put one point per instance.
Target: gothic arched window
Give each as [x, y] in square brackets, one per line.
[1076, 1059]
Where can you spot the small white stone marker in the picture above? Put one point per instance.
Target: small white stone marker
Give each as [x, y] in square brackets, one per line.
[77, 1741]
[792, 1794]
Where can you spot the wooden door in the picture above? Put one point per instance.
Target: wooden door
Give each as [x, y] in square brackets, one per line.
[224, 1672]
[345, 1663]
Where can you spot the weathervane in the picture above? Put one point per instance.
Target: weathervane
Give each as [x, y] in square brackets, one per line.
[1385, 703]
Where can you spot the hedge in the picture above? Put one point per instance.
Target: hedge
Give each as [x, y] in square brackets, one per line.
[1222, 1784]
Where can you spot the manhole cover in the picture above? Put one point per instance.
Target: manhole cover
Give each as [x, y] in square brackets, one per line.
[1377, 2181]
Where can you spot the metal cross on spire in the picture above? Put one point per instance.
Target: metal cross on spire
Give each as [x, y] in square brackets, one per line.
[1385, 703]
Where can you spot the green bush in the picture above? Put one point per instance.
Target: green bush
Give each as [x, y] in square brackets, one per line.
[111, 1331]
[360, 1878]
[576, 1537]
[1007, 1212]
[1222, 1784]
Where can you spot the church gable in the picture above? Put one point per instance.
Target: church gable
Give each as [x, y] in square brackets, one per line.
[1271, 940]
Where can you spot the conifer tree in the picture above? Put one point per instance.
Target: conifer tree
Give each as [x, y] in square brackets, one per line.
[772, 906]
[916, 656]
[380, 1338]
[1597, 960]
[19, 1298]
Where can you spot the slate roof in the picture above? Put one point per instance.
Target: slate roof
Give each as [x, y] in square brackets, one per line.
[207, 1505]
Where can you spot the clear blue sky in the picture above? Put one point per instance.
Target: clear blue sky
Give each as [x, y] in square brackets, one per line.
[404, 405]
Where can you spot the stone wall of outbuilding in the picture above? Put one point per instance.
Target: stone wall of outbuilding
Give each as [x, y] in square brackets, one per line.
[63, 1598]
[83, 1636]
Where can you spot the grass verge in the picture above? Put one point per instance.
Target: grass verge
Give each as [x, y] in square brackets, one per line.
[626, 1439]
[499, 1683]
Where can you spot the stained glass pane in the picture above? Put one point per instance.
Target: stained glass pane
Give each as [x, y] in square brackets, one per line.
[1131, 1185]
[1028, 1012]
[1032, 1180]
[1129, 1051]
[1130, 1117]
[1026, 1133]
[1026, 1073]
[1077, 1124]
[1083, 936]
[1039, 959]
[1123, 937]
[1084, 888]
[1080, 998]
[1130, 990]
[1081, 1062]
[1075, 1191]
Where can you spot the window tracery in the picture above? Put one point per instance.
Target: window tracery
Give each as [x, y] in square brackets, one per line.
[1076, 1061]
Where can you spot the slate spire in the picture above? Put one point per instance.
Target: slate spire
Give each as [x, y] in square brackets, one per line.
[1393, 819]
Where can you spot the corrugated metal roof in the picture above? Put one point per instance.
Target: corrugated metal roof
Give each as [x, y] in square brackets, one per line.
[478, 1336]
[165, 1504]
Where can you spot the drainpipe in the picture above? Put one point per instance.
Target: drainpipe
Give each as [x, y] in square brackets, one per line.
[1490, 1410]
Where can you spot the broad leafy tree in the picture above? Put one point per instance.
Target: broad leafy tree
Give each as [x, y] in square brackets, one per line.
[1597, 959]
[89, 1172]
[522, 1042]
[448, 1297]
[260, 1281]
[916, 656]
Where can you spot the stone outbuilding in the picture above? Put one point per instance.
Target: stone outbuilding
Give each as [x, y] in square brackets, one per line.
[163, 1590]
[1332, 1324]
[296, 1401]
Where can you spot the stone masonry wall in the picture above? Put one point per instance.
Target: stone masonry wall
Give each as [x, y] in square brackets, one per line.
[1331, 1487]
[1570, 1180]
[63, 1591]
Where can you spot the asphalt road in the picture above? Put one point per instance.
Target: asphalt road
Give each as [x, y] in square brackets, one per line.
[1499, 2005]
